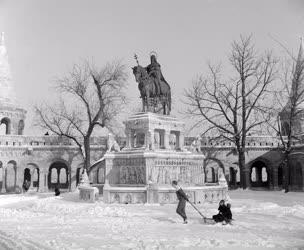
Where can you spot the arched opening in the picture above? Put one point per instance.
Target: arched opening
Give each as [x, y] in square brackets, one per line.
[259, 175]
[31, 175]
[139, 139]
[27, 175]
[174, 138]
[213, 170]
[35, 177]
[285, 128]
[5, 126]
[58, 175]
[11, 176]
[298, 178]
[210, 175]
[20, 127]
[159, 138]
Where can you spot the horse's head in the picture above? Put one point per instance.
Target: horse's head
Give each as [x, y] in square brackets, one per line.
[137, 73]
[140, 73]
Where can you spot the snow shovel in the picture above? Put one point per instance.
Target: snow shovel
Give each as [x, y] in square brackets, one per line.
[204, 217]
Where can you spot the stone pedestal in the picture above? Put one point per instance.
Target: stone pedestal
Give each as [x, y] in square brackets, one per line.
[89, 194]
[144, 170]
[152, 194]
[86, 191]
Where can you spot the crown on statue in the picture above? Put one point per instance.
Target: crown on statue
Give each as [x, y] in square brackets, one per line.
[153, 53]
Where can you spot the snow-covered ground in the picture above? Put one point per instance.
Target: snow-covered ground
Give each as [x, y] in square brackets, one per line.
[263, 220]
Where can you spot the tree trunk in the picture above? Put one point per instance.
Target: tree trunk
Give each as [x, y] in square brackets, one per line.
[243, 173]
[87, 159]
[286, 173]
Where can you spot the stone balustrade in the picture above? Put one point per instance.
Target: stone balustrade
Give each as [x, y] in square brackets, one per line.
[251, 141]
[21, 140]
[163, 194]
[51, 140]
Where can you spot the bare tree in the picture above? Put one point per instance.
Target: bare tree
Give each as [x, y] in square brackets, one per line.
[288, 109]
[88, 98]
[232, 108]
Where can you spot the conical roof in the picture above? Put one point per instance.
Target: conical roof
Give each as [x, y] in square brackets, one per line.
[7, 93]
[297, 86]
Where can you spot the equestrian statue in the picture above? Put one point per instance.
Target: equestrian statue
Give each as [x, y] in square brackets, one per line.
[154, 90]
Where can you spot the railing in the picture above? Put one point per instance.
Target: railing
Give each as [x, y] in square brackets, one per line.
[50, 140]
[251, 141]
[23, 140]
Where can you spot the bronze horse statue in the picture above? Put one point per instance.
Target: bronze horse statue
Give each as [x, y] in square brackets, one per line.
[147, 89]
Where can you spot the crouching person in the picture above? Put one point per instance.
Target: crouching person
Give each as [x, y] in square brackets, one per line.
[182, 199]
[222, 210]
[227, 214]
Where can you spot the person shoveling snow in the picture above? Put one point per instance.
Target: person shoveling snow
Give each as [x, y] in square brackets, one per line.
[182, 198]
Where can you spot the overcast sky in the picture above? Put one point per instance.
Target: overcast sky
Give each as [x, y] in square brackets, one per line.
[45, 37]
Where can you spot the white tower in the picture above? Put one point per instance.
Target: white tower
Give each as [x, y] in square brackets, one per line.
[10, 113]
[296, 95]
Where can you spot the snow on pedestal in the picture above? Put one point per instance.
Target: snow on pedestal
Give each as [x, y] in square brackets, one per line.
[86, 191]
[222, 181]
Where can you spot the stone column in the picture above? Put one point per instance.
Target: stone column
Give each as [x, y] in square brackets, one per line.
[258, 176]
[149, 140]
[3, 190]
[42, 185]
[128, 134]
[32, 177]
[72, 178]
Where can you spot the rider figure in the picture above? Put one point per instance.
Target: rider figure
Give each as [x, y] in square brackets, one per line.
[154, 71]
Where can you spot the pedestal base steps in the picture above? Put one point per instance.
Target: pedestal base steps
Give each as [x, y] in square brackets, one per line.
[162, 194]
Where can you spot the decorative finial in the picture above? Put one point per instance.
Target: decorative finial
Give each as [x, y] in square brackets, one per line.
[2, 38]
[153, 53]
[136, 58]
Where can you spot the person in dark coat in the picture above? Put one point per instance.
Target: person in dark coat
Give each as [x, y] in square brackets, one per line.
[227, 213]
[222, 211]
[182, 199]
[57, 191]
[26, 185]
